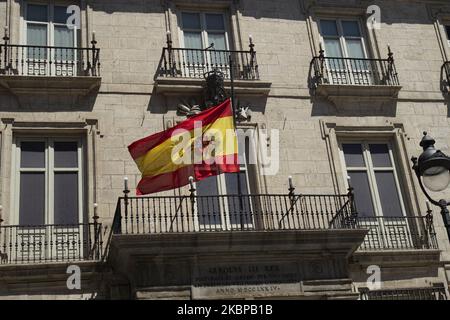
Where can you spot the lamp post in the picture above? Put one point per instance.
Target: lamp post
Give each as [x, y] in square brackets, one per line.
[432, 169]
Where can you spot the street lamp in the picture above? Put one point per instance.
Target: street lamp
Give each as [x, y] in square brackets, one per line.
[433, 172]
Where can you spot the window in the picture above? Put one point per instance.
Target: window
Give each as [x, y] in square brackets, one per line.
[219, 205]
[46, 26]
[48, 199]
[371, 168]
[48, 181]
[342, 39]
[200, 31]
[344, 48]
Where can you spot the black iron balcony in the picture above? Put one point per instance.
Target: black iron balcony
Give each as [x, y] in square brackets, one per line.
[195, 63]
[188, 214]
[445, 76]
[398, 233]
[184, 70]
[353, 71]
[50, 243]
[27, 60]
[431, 293]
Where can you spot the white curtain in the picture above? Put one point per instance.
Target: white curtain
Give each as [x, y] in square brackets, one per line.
[37, 36]
[193, 40]
[218, 58]
[64, 37]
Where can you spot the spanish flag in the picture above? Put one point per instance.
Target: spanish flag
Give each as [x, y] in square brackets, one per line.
[202, 146]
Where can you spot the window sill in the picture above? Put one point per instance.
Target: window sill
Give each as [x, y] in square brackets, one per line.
[20, 85]
[337, 93]
[170, 86]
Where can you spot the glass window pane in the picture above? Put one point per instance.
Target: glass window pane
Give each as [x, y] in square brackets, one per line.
[215, 22]
[32, 198]
[208, 206]
[231, 183]
[353, 154]
[60, 14]
[380, 155]
[355, 49]
[218, 39]
[193, 40]
[218, 58]
[66, 198]
[244, 150]
[207, 187]
[351, 29]
[239, 209]
[64, 37]
[363, 197]
[328, 28]
[390, 200]
[66, 154]
[32, 154]
[333, 48]
[191, 20]
[37, 36]
[37, 12]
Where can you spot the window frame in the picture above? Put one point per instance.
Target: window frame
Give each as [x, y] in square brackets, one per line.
[50, 23]
[371, 170]
[341, 37]
[203, 29]
[50, 169]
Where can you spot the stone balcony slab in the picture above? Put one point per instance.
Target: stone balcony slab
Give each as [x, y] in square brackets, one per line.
[22, 85]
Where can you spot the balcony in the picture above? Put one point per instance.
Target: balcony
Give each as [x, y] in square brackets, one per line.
[28, 69]
[445, 77]
[257, 239]
[398, 233]
[398, 244]
[45, 244]
[437, 292]
[183, 240]
[232, 213]
[183, 70]
[337, 78]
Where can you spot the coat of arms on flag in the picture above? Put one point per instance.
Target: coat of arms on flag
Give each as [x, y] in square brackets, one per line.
[201, 146]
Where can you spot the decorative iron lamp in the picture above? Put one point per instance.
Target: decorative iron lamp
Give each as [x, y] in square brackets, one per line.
[433, 172]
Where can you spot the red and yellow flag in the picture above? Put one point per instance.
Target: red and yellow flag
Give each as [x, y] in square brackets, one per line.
[201, 146]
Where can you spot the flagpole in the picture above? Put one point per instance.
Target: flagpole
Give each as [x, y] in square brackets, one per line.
[233, 105]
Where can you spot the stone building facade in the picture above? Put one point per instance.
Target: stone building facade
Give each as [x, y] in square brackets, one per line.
[347, 98]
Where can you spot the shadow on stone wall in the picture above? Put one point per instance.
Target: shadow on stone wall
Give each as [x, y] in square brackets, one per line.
[395, 273]
[47, 103]
[148, 6]
[160, 104]
[323, 107]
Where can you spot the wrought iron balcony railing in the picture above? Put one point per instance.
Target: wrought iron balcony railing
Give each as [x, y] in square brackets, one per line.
[353, 71]
[445, 75]
[27, 60]
[431, 293]
[50, 243]
[398, 233]
[195, 63]
[187, 214]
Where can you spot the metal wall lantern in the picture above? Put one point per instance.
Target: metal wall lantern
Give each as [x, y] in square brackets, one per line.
[432, 169]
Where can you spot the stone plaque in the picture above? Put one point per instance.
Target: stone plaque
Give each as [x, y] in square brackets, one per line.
[247, 291]
[245, 274]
